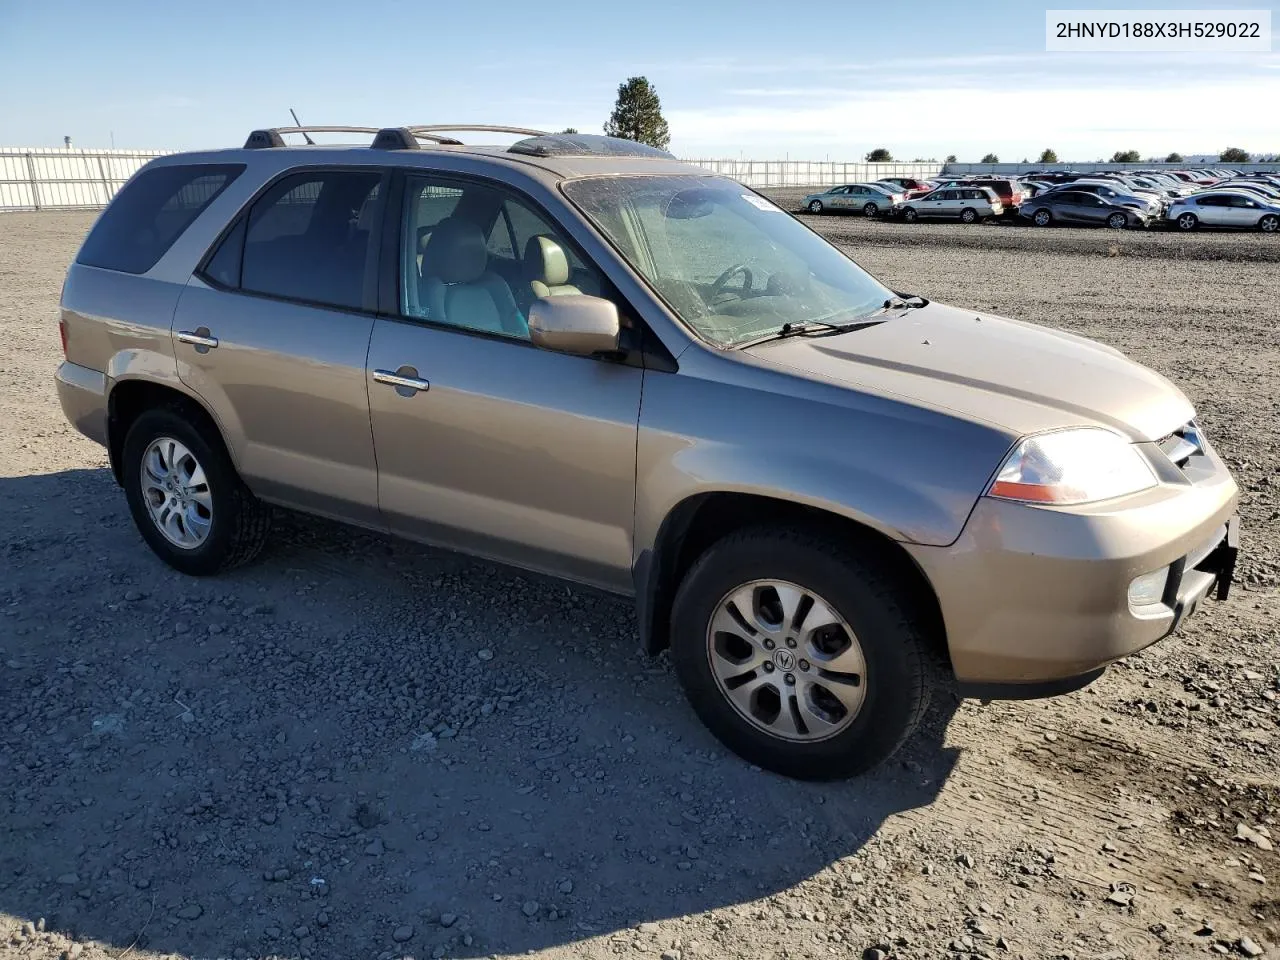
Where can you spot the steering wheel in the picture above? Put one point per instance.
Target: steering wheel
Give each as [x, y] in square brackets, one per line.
[718, 288]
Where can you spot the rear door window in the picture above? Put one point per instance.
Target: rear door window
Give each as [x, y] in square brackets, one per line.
[312, 237]
[151, 212]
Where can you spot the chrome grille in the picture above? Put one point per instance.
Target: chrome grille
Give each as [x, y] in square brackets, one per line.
[1183, 444]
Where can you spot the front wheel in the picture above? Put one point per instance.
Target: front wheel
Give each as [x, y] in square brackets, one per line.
[1269, 224]
[186, 498]
[815, 206]
[910, 215]
[1188, 221]
[871, 210]
[1117, 221]
[1042, 218]
[799, 655]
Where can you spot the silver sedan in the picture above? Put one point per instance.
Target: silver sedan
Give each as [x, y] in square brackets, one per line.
[871, 199]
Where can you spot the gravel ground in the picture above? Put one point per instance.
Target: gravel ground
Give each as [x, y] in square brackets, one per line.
[365, 748]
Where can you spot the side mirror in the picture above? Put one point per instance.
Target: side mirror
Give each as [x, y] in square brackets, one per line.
[575, 323]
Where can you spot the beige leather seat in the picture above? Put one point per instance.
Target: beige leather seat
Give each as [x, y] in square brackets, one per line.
[548, 268]
[458, 287]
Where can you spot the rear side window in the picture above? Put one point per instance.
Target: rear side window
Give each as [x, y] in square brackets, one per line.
[151, 212]
[311, 237]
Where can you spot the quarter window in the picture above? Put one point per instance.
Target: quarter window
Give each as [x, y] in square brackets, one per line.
[312, 237]
[151, 212]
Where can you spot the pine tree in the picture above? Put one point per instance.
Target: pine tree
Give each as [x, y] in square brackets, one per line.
[638, 115]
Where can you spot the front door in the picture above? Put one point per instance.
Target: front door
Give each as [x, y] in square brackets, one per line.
[486, 443]
[273, 332]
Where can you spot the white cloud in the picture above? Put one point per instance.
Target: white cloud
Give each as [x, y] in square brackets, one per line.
[999, 114]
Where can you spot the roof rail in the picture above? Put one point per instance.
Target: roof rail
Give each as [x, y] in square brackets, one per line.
[271, 137]
[388, 138]
[474, 128]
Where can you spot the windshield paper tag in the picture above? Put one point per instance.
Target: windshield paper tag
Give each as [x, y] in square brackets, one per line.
[760, 203]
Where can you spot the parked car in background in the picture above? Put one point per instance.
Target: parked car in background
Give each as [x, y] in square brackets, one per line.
[870, 199]
[1226, 208]
[1009, 191]
[966, 204]
[907, 186]
[1081, 207]
[1149, 203]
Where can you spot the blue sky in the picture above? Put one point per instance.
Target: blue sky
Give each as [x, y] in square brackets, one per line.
[737, 78]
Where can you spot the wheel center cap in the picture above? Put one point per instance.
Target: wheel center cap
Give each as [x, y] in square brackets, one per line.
[784, 660]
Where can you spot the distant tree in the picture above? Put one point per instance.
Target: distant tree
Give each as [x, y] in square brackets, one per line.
[1234, 155]
[1126, 156]
[569, 130]
[638, 115]
[1048, 156]
[951, 158]
[880, 155]
[990, 158]
[1173, 158]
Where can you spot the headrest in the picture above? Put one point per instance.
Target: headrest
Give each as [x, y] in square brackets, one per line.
[546, 261]
[456, 253]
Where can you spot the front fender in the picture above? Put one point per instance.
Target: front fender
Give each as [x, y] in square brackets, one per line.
[910, 473]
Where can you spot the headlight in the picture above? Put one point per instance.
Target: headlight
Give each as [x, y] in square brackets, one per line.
[1072, 466]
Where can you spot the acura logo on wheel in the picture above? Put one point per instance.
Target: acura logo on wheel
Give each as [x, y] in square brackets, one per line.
[784, 659]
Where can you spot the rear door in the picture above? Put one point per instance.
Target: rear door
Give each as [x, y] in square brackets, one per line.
[485, 442]
[1212, 210]
[273, 331]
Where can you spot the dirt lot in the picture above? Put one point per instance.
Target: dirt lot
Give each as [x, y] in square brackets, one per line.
[364, 748]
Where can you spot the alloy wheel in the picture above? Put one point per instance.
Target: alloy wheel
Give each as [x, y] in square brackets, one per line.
[786, 661]
[176, 493]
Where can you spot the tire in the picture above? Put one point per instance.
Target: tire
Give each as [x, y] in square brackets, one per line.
[869, 209]
[1042, 218]
[237, 524]
[1188, 221]
[968, 215]
[1117, 221]
[815, 206]
[894, 687]
[910, 215]
[1269, 224]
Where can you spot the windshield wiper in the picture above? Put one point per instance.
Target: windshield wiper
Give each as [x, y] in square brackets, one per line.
[910, 301]
[808, 327]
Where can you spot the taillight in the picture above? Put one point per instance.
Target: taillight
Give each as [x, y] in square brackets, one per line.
[62, 335]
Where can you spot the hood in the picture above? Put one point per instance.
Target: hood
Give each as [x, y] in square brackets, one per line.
[1022, 377]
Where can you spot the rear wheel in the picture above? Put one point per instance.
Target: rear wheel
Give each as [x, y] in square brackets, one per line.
[186, 498]
[969, 215]
[910, 215]
[870, 209]
[1117, 221]
[1188, 221]
[798, 654]
[1042, 218]
[815, 206]
[1269, 224]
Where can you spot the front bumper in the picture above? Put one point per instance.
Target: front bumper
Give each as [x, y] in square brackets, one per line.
[83, 395]
[1036, 597]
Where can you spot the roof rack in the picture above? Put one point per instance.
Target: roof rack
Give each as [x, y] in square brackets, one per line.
[387, 138]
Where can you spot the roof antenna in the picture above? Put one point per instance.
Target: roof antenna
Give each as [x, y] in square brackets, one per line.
[297, 123]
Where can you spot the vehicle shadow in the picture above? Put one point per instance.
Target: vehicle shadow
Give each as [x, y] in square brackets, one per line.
[363, 747]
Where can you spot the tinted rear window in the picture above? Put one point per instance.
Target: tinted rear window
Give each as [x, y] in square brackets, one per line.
[151, 212]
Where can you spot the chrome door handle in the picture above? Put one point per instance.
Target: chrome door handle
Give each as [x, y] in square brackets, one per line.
[197, 339]
[402, 381]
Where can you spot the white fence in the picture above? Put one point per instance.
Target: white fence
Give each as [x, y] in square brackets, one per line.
[48, 178]
[813, 173]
